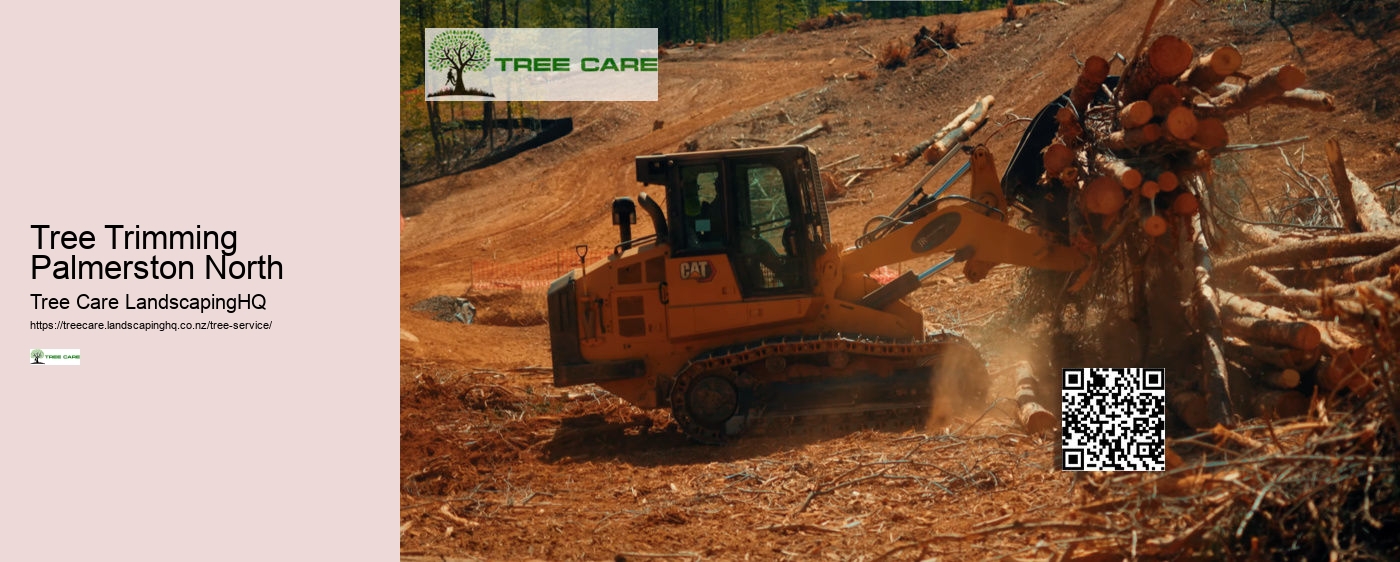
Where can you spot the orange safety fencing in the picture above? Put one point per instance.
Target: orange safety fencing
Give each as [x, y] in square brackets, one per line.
[531, 274]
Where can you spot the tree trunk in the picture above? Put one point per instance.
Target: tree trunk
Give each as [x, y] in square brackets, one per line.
[1367, 243]
[975, 109]
[1212, 69]
[1190, 407]
[1278, 404]
[1034, 417]
[488, 125]
[1166, 58]
[1297, 335]
[1375, 266]
[962, 132]
[460, 85]
[1258, 91]
[1091, 77]
[1260, 357]
[435, 128]
[1214, 375]
[1360, 209]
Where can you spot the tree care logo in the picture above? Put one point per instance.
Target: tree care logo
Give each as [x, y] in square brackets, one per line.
[54, 356]
[456, 52]
[504, 64]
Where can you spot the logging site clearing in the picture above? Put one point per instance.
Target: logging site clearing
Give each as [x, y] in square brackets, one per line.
[1235, 197]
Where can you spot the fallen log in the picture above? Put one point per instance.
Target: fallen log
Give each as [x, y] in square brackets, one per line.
[1154, 225]
[1258, 357]
[1335, 271]
[1300, 98]
[1375, 266]
[1130, 139]
[1270, 290]
[1190, 407]
[1166, 58]
[1279, 404]
[962, 132]
[1258, 91]
[1185, 204]
[1285, 379]
[1258, 235]
[1070, 132]
[1057, 157]
[1297, 335]
[908, 156]
[1343, 372]
[1214, 378]
[1091, 78]
[1180, 123]
[1235, 305]
[1343, 245]
[1361, 211]
[1103, 196]
[1128, 176]
[1167, 181]
[1034, 417]
[1306, 99]
[809, 133]
[1333, 340]
[1163, 99]
[1208, 71]
[1135, 114]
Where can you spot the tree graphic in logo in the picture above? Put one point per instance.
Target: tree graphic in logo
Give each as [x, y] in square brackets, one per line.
[458, 51]
[36, 354]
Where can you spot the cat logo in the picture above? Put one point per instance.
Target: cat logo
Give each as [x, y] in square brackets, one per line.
[700, 271]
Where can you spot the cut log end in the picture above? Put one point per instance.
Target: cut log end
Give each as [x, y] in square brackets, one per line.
[1185, 204]
[1103, 196]
[1131, 178]
[1037, 419]
[1155, 226]
[1287, 378]
[1190, 407]
[1135, 114]
[1163, 99]
[1096, 69]
[1167, 181]
[1133, 138]
[1169, 55]
[1224, 60]
[1181, 123]
[1057, 157]
[1290, 77]
[1149, 189]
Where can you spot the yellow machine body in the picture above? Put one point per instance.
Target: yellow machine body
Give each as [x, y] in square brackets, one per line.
[769, 297]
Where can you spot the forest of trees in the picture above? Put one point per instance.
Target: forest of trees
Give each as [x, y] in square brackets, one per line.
[440, 139]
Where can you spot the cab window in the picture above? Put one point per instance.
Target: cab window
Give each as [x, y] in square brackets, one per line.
[702, 214]
[766, 241]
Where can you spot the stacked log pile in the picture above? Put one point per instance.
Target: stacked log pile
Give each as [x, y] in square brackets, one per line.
[1273, 325]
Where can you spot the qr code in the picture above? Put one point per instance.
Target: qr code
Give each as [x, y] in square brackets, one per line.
[1113, 419]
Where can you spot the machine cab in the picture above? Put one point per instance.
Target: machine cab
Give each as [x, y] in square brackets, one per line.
[762, 208]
